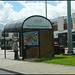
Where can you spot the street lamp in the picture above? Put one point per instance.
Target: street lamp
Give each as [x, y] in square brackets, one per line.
[46, 8]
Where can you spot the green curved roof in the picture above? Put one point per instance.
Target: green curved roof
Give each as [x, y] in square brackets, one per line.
[32, 22]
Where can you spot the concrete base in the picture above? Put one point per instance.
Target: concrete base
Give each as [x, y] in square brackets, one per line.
[69, 53]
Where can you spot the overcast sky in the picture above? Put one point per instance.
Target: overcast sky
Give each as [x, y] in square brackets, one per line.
[13, 10]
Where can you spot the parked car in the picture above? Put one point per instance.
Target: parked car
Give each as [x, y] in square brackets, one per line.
[7, 47]
[58, 49]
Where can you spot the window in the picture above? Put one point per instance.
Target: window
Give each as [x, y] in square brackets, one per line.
[73, 20]
[65, 24]
[65, 21]
[55, 28]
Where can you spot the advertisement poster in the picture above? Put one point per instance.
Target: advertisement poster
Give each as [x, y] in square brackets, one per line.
[31, 38]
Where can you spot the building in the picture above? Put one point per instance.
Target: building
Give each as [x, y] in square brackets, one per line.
[60, 23]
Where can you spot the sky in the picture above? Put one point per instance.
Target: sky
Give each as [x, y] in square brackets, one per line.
[14, 10]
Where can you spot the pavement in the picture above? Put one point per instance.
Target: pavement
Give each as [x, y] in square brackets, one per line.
[26, 67]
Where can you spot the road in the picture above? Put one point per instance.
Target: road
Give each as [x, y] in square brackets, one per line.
[9, 54]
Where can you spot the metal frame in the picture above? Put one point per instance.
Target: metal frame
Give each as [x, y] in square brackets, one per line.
[4, 46]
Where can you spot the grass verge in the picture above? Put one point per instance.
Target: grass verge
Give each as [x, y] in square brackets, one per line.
[59, 59]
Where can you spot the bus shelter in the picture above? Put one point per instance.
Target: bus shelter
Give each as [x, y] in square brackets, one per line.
[37, 32]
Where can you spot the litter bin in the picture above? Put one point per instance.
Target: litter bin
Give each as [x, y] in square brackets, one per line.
[24, 52]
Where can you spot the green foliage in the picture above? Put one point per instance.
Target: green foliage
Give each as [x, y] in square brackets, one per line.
[59, 59]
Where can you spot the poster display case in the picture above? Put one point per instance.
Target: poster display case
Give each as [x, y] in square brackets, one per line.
[31, 38]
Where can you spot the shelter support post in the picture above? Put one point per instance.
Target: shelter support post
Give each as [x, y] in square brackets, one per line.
[23, 49]
[4, 46]
[20, 42]
[39, 43]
